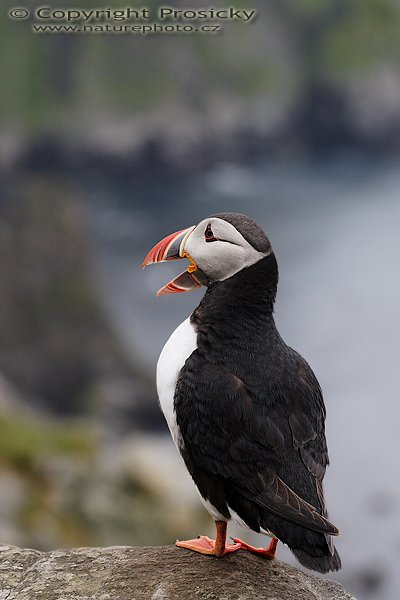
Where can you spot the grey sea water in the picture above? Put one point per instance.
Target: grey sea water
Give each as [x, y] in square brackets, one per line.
[335, 228]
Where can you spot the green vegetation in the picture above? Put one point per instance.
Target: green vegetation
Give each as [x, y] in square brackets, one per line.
[26, 442]
[59, 81]
[41, 458]
[343, 37]
[60, 492]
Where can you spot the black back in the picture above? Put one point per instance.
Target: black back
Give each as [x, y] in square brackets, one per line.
[251, 416]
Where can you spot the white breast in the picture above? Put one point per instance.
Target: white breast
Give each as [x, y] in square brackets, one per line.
[176, 351]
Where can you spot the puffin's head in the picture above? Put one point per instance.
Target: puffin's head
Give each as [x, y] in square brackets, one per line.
[217, 248]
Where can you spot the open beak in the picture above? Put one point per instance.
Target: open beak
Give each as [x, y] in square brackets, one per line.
[172, 247]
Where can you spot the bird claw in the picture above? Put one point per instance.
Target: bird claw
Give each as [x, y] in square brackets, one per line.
[265, 552]
[204, 545]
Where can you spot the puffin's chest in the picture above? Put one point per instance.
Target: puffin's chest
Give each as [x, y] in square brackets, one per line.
[173, 356]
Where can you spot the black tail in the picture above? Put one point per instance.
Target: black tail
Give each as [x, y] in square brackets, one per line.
[312, 549]
[322, 564]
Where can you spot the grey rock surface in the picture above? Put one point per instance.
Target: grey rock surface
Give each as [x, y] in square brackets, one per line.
[163, 573]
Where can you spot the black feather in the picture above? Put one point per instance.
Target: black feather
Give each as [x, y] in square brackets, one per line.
[251, 417]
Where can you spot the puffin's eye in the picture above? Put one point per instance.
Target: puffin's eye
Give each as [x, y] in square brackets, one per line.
[209, 235]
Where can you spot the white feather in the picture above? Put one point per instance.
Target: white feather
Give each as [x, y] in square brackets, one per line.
[216, 515]
[235, 517]
[176, 351]
[173, 356]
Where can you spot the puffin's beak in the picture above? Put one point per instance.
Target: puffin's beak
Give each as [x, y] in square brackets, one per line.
[172, 247]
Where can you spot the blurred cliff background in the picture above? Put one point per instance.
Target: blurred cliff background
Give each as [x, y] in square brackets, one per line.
[108, 142]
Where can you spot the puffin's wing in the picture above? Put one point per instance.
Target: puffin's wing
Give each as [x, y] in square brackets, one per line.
[230, 435]
[275, 496]
[307, 424]
[307, 420]
[309, 440]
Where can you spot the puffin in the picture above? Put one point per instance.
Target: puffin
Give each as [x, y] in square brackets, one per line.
[244, 409]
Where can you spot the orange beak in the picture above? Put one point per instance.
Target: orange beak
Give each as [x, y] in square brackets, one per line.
[172, 247]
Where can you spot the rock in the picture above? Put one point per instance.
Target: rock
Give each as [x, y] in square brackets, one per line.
[163, 573]
[57, 346]
[11, 401]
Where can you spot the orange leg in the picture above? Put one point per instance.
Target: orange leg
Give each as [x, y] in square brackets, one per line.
[205, 545]
[266, 552]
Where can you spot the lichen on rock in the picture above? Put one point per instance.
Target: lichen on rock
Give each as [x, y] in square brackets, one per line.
[158, 573]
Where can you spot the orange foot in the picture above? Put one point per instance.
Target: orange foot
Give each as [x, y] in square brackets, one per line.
[205, 545]
[265, 552]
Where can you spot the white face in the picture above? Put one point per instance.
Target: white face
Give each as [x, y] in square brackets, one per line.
[223, 257]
